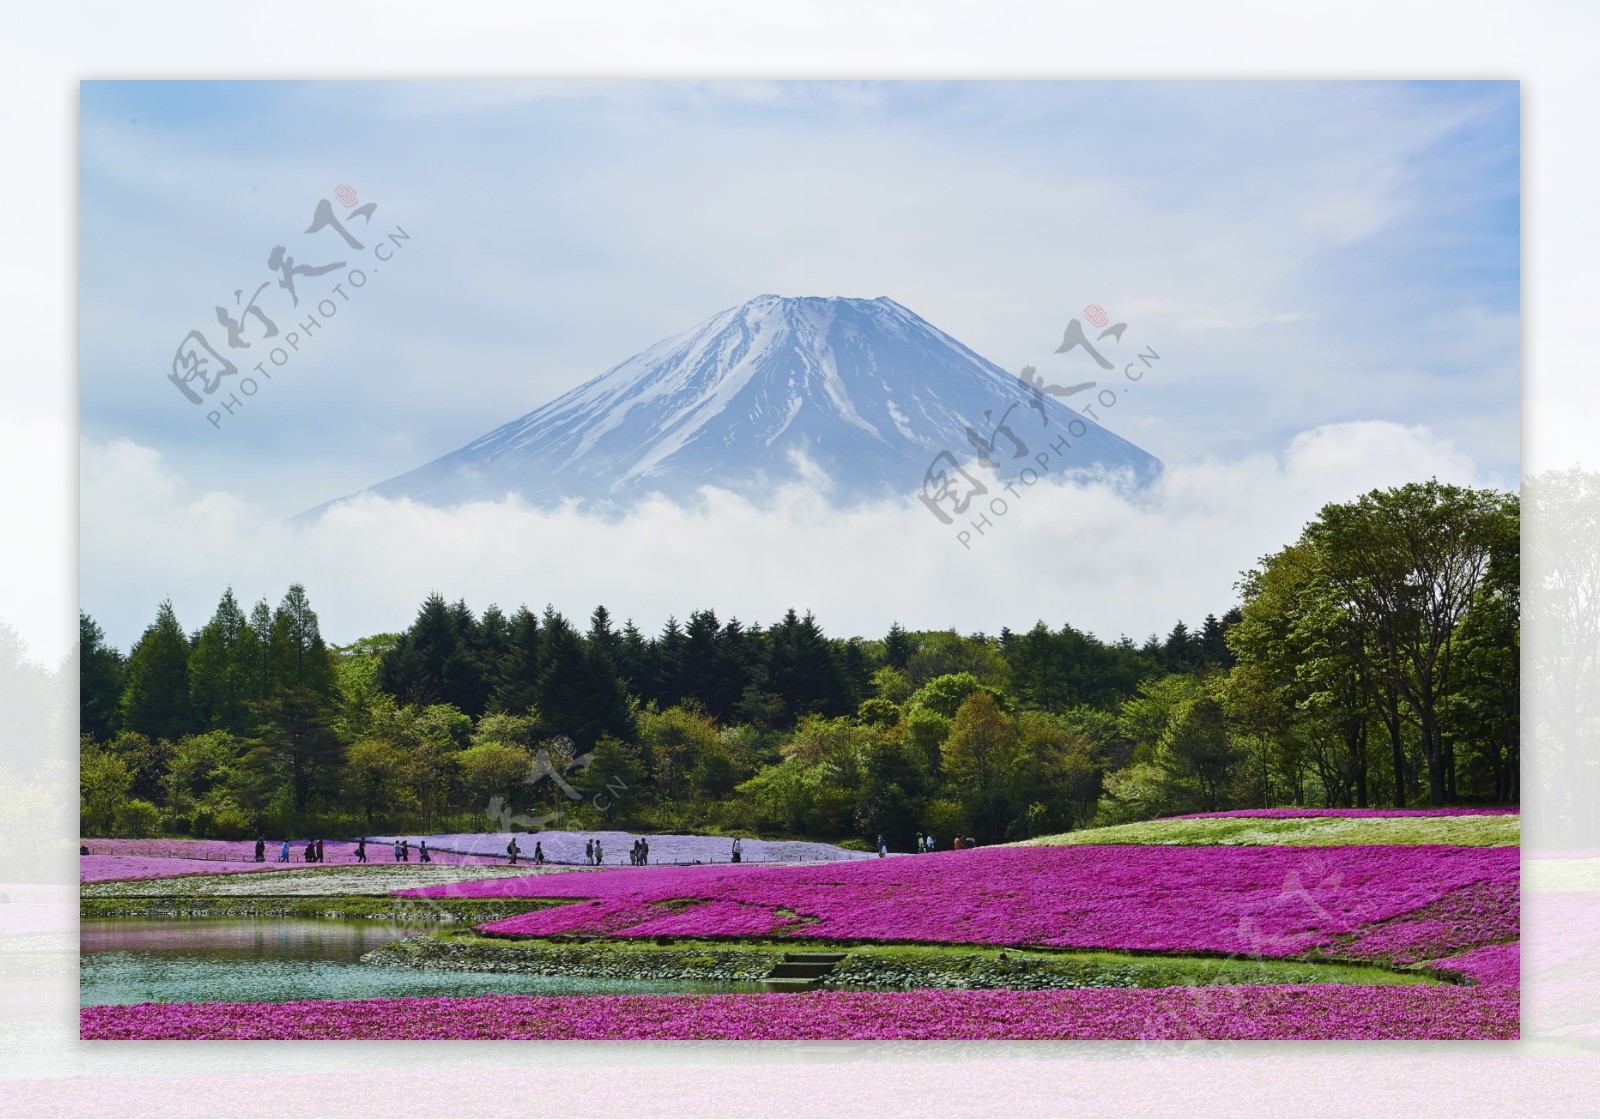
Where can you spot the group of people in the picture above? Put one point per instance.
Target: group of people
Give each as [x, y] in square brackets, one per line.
[312, 854]
[514, 850]
[593, 854]
[402, 851]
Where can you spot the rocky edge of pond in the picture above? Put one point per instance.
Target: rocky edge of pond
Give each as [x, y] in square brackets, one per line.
[873, 967]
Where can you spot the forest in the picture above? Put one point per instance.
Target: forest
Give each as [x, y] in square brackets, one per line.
[1373, 661]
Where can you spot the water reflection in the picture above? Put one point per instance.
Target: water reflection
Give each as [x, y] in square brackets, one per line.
[128, 960]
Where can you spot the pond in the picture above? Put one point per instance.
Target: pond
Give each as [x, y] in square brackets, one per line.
[192, 960]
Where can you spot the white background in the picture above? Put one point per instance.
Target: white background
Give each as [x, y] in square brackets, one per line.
[45, 48]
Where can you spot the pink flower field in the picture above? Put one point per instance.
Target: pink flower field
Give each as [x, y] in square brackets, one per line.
[1310, 1011]
[1275, 901]
[1450, 909]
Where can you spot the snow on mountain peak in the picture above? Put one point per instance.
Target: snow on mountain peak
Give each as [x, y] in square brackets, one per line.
[865, 389]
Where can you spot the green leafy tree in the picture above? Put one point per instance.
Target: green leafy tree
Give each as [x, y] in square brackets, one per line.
[978, 759]
[1195, 748]
[1405, 565]
[103, 783]
[146, 762]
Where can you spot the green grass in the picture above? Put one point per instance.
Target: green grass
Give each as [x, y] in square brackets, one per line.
[463, 910]
[949, 965]
[1468, 831]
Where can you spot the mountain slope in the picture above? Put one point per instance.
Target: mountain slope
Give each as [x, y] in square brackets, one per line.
[863, 389]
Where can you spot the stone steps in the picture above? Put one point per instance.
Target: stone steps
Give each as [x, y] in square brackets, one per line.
[800, 971]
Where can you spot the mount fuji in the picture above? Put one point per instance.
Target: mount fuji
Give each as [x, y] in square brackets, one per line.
[775, 390]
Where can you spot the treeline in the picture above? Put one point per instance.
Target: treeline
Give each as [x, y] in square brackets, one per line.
[1373, 661]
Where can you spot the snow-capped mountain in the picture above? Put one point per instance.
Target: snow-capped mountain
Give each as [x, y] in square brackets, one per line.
[758, 394]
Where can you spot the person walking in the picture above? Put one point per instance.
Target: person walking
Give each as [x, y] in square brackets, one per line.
[405, 851]
[261, 849]
[283, 853]
[397, 851]
[423, 852]
[883, 848]
[361, 850]
[599, 856]
[538, 853]
[319, 852]
[644, 851]
[512, 850]
[738, 850]
[588, 852]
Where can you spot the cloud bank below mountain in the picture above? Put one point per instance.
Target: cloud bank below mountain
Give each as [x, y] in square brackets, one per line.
[1086, 551]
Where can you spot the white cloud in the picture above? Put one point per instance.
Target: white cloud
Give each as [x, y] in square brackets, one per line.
[1078, 552]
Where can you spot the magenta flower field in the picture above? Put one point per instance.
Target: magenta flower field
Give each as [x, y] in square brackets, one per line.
[1449, 911]
[1311, 1011]
[1275, 901]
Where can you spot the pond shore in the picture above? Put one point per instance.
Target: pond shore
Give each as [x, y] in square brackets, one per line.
[885, 967]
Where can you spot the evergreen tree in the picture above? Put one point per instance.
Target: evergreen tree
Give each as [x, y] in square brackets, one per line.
[897, 647]
[298, 742]
[155, 702]
[416, 670]
[666, 665]
[602, 636]
[297, 658]
[579, 694]
[100, 681]
[255, 654]
[494, 648]
[517, 688]
[220, 690]
[633, 660]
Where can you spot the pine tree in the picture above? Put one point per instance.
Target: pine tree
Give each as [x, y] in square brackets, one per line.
[633, 659]
[100, 683]
[414, 672]
[219, 670]
[666, 665]
[257, 663]
[516, 691]
[155, 702]
[296, 655]
[897, 647]
[602, 636]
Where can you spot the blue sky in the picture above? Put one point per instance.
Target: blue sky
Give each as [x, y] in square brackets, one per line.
[1303, 254]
